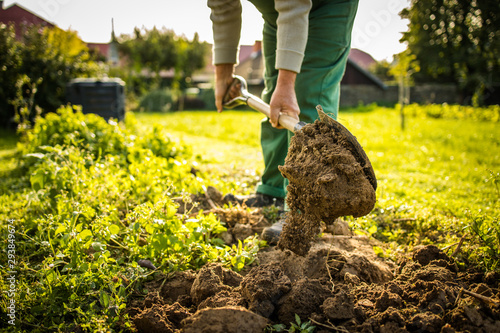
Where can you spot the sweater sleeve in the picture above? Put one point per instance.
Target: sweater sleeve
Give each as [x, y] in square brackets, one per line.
[293, 25]
[226, 26]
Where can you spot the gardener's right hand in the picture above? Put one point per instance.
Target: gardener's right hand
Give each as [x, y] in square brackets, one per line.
[223, 79]
[284, 99]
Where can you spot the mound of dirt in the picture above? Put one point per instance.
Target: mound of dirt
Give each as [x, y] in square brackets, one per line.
[340, 285]
[225, 319]
[161, 318]
[327, 179]
[212, 279]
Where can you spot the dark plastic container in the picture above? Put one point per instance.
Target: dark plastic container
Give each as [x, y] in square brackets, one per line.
[104, 97]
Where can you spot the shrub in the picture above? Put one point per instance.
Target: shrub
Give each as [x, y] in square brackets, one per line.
[487, 113]
[208, 97]
[70, 127]
[53, 55]
[10, 61]
[96, 201]
[157, 100]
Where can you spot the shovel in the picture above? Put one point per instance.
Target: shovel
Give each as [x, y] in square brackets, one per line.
[237, 94]
[238, 88]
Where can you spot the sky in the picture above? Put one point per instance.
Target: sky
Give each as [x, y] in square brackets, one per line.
[377, 27]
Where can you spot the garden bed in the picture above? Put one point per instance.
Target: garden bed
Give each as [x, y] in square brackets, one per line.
[341, 285]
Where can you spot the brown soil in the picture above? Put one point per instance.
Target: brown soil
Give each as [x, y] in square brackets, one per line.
[327, 180]
[340, 285]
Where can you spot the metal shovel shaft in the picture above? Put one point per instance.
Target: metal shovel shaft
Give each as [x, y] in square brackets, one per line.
[237, 94]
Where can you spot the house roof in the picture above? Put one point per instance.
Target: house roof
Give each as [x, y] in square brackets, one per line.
[102, 48]
[367, 77]
[244, 53]
[361, 58]
[19, 16]
[357, 71]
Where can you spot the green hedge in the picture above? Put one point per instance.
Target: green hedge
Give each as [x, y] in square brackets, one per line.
[446, 111]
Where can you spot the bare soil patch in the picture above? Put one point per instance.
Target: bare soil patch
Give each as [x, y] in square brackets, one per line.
[340, 285]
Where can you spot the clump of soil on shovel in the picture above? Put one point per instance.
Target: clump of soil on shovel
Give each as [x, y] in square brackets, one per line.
[330, 176]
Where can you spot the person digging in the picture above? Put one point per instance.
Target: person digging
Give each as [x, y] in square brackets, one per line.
[306, 44]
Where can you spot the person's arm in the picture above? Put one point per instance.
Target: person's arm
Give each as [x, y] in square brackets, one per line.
[226, 26]
[293, 28]
[293, 24]
[223, 79]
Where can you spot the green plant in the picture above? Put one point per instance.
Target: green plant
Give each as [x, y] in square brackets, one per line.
[157, 100]
[24, 104]
[92, 200]
[9, 72]
[485, 249]
[243, 254]
[271, 213]
[298, 326]
[49, 57]
[495, 180]
[72, 205]
[70, 127]
[208, 98]
[447, 111]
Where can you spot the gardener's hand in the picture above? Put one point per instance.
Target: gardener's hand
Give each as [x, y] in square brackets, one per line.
[223, 79]
[284, 100]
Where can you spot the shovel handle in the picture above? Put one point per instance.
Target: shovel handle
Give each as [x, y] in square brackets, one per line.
[290, 123]
[237, 94]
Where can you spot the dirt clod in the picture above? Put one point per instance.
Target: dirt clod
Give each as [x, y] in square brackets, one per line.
[263, 287]
[161, 319]
[342, 286]
[340, 306]
[429, 253]
[327, 180]
[178, 287]
[223, 298]
[212, 279]
[225, 319]
[305, 298]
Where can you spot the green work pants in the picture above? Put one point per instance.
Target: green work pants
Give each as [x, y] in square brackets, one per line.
[327, 49]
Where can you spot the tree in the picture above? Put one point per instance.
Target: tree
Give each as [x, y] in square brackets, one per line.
[10, 61]
[191, 58]
[56, 56]
[456, 41]
[403, 68]
[153, 49]
[381, 69]
[44, 61]
[157, 50]
[160, 49]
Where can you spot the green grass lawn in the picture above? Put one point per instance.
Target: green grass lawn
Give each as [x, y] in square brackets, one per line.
[434, 162]
[433, 178]
[228, 143]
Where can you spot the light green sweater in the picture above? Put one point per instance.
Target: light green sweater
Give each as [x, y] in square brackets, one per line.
[293, 22]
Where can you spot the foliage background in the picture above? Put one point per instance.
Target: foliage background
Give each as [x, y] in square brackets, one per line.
[457, 41]
[39, 66]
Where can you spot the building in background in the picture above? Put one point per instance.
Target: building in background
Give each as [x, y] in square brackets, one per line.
[21, 17]
[356, 83]
[358, 86]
